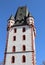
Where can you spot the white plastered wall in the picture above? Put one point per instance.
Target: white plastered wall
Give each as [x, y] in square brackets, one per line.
[19, 41]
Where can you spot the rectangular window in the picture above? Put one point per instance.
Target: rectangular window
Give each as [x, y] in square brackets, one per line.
[23, 58]
[23, 29]
[15, 30]
[24, 47]
[13, 59]
[14, 38]
[24, 37]
[13, 49]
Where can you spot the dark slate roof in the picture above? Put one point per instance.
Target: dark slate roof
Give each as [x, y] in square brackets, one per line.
[20, 20]
[21, 13]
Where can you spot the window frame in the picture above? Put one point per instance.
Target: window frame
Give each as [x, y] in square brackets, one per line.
[23, 58]
[24, 37]
[24, 47]
[14, 38]
[15, 30]
[23, 30]
[13, 59]
[13, 49]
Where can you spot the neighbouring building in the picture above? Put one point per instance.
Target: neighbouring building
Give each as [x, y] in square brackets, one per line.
[20, 43]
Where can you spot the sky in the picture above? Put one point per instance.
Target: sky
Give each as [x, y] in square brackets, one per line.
[37, 9]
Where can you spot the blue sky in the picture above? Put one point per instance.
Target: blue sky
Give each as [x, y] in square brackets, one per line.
[37, 9]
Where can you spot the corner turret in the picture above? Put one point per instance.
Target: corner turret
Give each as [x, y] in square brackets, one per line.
[11, 22]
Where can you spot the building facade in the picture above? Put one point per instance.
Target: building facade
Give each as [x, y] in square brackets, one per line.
[20, 43]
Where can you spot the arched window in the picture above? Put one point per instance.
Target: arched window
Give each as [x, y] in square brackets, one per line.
[13, 59]
[13, 49]
[24, 37]
[15, 30]
[23, 58]
[14, 38]
[23, 29]
[24, 47]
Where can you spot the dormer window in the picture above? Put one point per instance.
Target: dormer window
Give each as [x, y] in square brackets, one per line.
[20, 14]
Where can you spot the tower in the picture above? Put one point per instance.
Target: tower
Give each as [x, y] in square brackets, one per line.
[20, 44]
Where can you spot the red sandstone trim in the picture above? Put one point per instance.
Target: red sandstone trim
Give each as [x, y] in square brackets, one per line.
[6, 48]
[32, 45]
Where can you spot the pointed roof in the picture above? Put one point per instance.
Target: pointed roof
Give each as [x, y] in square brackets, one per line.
[21, 15]
[12, 18]
[30, 15]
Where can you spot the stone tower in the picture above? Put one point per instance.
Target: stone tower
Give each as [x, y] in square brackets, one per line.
[20, 43]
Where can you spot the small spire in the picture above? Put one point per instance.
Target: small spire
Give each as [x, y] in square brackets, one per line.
[11, 18]
[30, 15]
